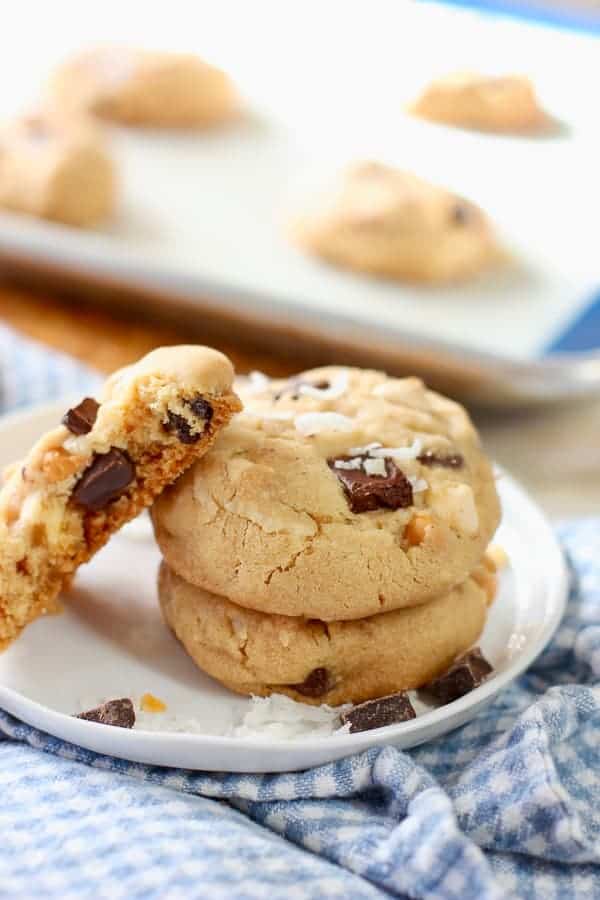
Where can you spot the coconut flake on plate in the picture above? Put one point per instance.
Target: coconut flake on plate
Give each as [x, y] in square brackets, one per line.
[280, 717]
[335, 389]
[311, 423]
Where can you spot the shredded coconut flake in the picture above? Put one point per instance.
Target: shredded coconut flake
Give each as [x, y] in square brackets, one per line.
[315, 422]
[418, 484]
[258, 381]
[338, 386]
[280, 717]
[405, 453]
[361, 451]
[348, 464]
[375, 467]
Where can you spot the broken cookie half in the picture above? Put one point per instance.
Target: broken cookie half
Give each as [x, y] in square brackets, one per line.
[108, 460]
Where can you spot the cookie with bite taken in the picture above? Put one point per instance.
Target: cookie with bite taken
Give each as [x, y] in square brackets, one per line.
[109, 459]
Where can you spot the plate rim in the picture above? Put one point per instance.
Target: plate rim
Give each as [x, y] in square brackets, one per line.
[557, 581]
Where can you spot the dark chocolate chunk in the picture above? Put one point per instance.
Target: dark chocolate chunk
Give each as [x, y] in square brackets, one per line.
[377, 713]
[182, 427]
[368, 492]
[105, 479]
[201, 408]
[119, 713]
[461, 213]
[464, 675]
[316, 683]
[80, 419]
[452, 461]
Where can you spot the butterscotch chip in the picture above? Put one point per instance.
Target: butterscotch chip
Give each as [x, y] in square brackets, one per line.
[416, 530]
[86, 479]
[151, 704]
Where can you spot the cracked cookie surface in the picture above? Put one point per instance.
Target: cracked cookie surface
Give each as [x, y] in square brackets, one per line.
[106, 462]
[317, 662]
[388, 222]
[145, 88]
[338, 494]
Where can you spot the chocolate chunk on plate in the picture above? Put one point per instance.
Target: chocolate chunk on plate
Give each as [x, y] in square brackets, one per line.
[104, 480]
[119, 713]
[80, 419]
[464, 675]
[366, 492]
[380, 712]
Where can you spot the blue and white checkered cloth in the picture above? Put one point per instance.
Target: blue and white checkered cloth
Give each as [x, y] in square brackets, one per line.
[508, 806]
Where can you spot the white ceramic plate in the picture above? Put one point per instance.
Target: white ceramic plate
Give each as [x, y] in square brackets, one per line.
[111, 642]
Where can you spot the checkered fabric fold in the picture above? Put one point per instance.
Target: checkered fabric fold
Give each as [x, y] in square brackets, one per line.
[508, 806]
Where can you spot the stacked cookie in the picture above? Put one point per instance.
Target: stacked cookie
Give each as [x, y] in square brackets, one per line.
[332, 545]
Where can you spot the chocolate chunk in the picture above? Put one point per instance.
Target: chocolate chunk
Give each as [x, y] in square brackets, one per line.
[452, 461]
[368, 492]
[377, 713]
[119, 713]
[461, 214]
[316, 683]
[201, 408]
[104, 480]
[182, 427]
[463, 676]
[81, 418]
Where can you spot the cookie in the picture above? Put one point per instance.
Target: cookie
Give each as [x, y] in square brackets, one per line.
[318, 662]
[97, 470]
[338, 494]
[144, 88]
[488, 103]
[56, 168]
[391, 223]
